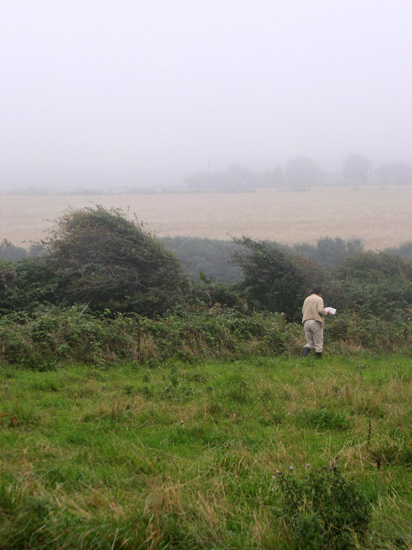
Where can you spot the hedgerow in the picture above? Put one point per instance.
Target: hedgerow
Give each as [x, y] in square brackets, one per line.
[71, 336]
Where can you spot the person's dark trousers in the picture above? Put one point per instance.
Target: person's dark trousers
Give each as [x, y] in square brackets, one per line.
[306, 351]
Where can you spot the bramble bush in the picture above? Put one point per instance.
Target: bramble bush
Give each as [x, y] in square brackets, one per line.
[71, 335]
[353, 330]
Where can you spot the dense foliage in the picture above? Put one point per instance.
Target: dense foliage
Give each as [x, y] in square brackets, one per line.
[32, 291]
[98, 258]
[275, 279]
[98, 262]
[376, 285]
[67, 336]
[71, 335]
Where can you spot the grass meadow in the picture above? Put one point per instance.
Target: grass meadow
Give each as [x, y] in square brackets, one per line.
[380, 217]
[173, 455]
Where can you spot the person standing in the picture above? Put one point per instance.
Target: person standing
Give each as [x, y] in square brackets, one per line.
[313, 319]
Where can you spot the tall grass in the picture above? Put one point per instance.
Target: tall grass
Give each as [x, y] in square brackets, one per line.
[171, 454]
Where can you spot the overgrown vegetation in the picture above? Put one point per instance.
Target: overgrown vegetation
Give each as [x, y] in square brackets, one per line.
[275, 279]
[72, 336]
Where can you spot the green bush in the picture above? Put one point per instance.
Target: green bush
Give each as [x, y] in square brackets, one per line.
[369, 332]
[275, 279]
[376, 285]
[45, 340]
[323, 509]
[100, 259]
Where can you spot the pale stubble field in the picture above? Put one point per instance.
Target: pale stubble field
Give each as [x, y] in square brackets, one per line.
[380, 217]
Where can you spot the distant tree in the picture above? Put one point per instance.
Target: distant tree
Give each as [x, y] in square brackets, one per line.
[107, 261]
[275, 279]
[329, 252]
[14, 253]
[272, 178]
[241, 177]
[303, 172]
[7, 271]
[236, 178]
[397, 173]
[372, 266]
[4, 244]
[356, 169]
[201, 181]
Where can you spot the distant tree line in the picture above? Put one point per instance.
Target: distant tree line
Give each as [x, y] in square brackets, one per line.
[300, 173]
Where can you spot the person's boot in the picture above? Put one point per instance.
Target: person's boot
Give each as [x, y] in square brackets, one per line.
[319, 354]
[306, 350]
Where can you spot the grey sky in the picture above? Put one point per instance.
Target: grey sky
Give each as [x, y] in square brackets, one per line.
[134, 92]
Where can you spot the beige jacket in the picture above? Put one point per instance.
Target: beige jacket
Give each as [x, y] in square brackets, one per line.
[313, 308]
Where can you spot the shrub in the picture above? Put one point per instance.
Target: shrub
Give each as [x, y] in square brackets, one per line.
[100, 258]
[323, 509]
[376, 285]
[369, 333]
[275, 279]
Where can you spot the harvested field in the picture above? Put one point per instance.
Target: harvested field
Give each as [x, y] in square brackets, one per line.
[381, 217]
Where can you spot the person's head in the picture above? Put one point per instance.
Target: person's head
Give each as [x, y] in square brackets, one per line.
[317, 290]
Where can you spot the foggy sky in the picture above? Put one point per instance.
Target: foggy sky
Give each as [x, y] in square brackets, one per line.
[99, 93]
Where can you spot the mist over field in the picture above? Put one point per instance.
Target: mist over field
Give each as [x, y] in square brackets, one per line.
[105, 94]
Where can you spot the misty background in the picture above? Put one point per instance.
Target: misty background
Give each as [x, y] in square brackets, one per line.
[102, 93]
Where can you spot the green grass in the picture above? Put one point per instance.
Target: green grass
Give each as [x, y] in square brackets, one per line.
[174, 455]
